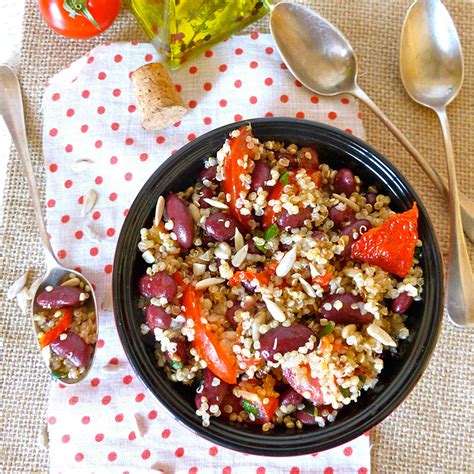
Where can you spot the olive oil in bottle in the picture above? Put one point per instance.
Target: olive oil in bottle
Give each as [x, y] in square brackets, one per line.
[180, 29]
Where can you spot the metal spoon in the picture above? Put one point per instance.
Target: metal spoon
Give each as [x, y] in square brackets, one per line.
[432, 70]
[11, 108]
[322, 59]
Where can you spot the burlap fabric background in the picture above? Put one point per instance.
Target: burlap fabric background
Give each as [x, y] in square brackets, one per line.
[432, 431]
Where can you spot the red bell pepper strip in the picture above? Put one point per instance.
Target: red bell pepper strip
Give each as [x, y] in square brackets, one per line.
[220, 361]
[265, 411]
[64, 316]
[304, 384]
[391, 246]
[269, 215]
[323, 280]
[237, 163]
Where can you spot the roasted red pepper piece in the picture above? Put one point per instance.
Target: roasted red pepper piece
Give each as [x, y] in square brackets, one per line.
[269, 216]
[236, 163]
[302, 383]
[265, 410]
[219, 360]
[63, 324]
[323, 280]
[258, 279]
[391, 246]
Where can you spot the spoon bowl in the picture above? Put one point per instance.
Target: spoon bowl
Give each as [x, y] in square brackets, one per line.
[11, 109]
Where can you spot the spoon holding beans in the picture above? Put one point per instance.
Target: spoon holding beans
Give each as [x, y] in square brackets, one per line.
[63, 294]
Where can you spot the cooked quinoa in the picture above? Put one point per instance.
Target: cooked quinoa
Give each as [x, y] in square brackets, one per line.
[254, 297]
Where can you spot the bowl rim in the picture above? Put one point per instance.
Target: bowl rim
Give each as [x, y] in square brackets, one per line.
[301, 443]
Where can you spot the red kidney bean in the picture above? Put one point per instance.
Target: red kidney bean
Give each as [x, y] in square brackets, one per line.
[305, 417]
[208, 174]
[291, 397]
[291, 221]
[354, 230]
[59, 297]
[232, 401]
[73, 348]
[157, 317]
[159, 285]
[229, 314]
[221, 226]
[340, 218]
[401, 303]
[283, 339]
[293, 162]
[260, 175]
[371, 198]
[344, 182]
[347, 314]
[307, 386]
[308, 162]
[215, 394]
[205, 193]
[183, 225]
[181, 353]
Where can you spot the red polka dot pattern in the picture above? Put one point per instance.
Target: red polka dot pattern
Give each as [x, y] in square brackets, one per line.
[90, 113]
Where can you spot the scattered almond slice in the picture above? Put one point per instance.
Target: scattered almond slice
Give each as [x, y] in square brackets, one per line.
[43, 436]
[106, 304]
[238, 239]
[148, 257]
[81, 165]
[215, 203]
[17, 286]
[160, 207]
[276, 312]
[347, 201]
[141, 425]
[195, 214]
[199, 269]
[240, 256]
[157, 467]
[92, 234]
[380, 335]
[33, 288]
[207, 282]
[307, 288]
[71, 282]
[112, 368]
[286, 263]
[90, 198]
[22, 300]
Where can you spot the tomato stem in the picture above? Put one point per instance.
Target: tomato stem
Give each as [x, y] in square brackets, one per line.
[77, 8]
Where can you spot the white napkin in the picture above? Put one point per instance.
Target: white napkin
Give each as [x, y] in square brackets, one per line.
[90, 114]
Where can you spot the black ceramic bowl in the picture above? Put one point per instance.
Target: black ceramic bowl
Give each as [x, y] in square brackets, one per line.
[400, 374]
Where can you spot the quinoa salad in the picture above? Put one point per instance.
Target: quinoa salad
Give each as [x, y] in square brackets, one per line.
[66, 327]
[275, 285]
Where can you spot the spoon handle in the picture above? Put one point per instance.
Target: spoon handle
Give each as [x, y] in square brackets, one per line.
[11, 108]
[467, 206]
[459, 284]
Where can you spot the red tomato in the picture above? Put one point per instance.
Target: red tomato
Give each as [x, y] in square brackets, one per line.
[265, 411]
[304, 384]
[79, 18]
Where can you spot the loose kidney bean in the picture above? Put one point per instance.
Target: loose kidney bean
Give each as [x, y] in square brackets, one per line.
[344, 182]
[283, 339]
[157, 317]
[73, 348]
[290, 221]
[229, 314]
[205, 193]
[347, 314]
[354, 230]
[401, 303]
[181, 353]
[290, 397]
[183, 227]
[159, 285]
[340, 218]
[311, 162]
[208, 174]
[232, 401]
[59, 297]
[305, 418]
[292, 159]
[371, 198]
[221, 226]
[215, 394]
[260, 175]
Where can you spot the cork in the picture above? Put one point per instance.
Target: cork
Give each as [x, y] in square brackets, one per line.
[158, 101]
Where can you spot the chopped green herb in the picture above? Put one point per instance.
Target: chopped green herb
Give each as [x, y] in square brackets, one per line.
[284, 178]
[260, 247]
[175, 364]
[57, 375]
[345, 391]
[249, 408]
[271, 232]
[311, 410]
[328, 329]
[362, 378]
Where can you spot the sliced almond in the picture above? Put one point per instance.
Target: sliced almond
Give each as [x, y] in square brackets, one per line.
[157, 467]
[71, 282]
[240, 256]
[347, 202]
[308, 289]
[207, 282]
[30, 294]
[81, 165]
[148, 257]
[195, 213]
[141, 424]
[22, 300]
[286, 263]
[106, 304]
[160, 207]
[92, 234]
[43, 437]
[238, 239]
[223, 251]
[46, 353]
[112, 368]
[90, 198]
[17, 286]
[314, 272]
[199, 269]
[276, 312]
[380, 335]
[215, 203]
